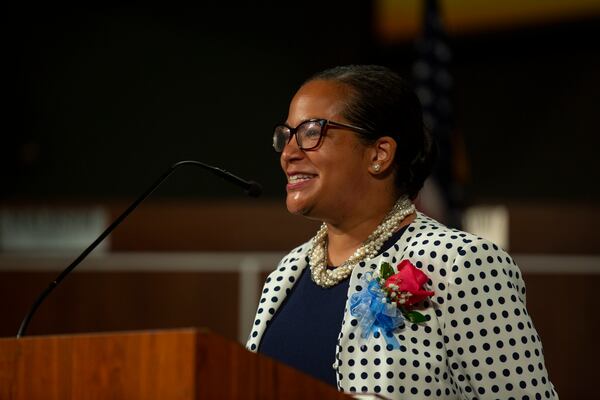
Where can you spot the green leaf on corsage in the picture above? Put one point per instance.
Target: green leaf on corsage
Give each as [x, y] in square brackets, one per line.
[415, 317]
[386, 271]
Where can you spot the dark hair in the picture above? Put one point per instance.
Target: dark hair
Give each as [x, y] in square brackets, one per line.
[385, 104]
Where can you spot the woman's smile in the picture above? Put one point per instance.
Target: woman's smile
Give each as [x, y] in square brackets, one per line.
[298, 181]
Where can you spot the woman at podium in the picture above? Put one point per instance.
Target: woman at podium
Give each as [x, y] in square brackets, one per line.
[384, 299]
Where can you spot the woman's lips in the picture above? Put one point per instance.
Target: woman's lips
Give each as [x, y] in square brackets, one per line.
[299, 181]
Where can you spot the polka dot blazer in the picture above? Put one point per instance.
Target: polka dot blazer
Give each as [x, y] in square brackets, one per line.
[478, 341]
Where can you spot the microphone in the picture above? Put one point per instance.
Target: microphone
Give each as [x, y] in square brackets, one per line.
[251, 188]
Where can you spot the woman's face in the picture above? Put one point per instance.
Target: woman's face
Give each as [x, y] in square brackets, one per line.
[327, 182]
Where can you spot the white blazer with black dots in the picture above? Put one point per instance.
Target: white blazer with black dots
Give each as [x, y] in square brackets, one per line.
[478, 340]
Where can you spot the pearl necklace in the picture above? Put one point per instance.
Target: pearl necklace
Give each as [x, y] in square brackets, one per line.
[369, 248]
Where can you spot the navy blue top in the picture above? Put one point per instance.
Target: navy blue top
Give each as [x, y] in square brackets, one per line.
[304, 331]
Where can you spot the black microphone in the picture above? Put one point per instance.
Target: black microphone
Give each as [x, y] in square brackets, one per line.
[252, 189]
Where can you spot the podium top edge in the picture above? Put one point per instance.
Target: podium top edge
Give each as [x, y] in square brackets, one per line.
[103, 334]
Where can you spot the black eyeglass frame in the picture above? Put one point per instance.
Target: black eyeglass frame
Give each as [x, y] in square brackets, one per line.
[324, 123]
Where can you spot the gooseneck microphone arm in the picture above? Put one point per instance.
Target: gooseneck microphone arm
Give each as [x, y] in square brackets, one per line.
[252, 189]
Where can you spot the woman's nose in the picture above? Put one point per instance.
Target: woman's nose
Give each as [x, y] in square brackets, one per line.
[291, 151]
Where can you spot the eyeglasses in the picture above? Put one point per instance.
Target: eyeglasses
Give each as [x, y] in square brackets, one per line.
[308, 134]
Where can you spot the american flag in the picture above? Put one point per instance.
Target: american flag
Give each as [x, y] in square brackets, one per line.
[433, 84]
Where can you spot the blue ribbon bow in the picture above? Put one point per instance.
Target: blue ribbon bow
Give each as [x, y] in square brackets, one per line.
[375, 313]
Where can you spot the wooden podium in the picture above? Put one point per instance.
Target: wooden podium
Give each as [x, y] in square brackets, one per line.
[164, 364]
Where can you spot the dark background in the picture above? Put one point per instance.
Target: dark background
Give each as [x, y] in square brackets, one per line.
[101, 99]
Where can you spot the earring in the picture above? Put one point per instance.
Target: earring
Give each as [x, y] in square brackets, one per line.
[376, 167]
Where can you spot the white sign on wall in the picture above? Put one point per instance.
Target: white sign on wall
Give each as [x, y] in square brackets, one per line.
[488, 222]
[51, 229]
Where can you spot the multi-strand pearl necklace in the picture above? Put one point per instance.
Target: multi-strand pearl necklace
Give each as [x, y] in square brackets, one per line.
[318, 254]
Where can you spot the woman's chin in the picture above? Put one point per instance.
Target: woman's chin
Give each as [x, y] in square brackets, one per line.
[297, 206]
[297, 209]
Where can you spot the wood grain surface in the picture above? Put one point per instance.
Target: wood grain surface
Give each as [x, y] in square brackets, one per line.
[174, 364]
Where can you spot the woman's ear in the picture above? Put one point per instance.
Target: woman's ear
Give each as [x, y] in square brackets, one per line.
[382, 155]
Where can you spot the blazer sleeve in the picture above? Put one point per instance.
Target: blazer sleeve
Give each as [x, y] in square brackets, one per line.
[492, 346]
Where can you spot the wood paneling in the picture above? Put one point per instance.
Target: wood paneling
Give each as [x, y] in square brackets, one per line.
[183, 225]
[554, 228]
[564, 309]
[97, 301]
[548, 228]
[211, 226]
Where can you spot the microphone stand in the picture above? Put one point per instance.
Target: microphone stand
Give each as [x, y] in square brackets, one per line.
[252, 189]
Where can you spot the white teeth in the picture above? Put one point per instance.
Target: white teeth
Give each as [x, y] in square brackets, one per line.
[299, 178]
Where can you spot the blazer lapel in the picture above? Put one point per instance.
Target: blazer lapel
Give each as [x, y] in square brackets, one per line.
[277, 286]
